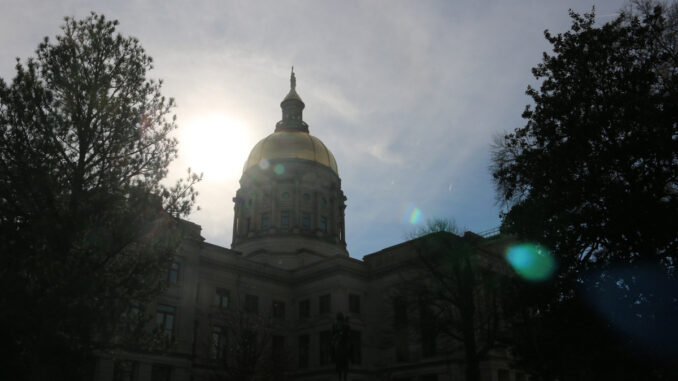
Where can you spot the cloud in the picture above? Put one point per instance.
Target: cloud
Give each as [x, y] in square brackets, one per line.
[406, 95]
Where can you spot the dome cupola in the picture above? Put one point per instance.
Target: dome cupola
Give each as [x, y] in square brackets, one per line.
[292, 110]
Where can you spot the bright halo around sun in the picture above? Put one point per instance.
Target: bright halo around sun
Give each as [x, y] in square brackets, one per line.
[216, 145]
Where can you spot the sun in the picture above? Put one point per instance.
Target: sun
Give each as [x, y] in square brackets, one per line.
[216, 145]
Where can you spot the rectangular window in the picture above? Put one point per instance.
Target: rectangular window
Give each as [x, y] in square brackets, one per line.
[265, 220]
[278, 346]
[324, 350]
[323, 224]
[285, 219]
[252, 304]
[165, 319]
[400, 313]
[304, 344]
[221, 298]
[305, 220]
[278, 309]
[356, 347]
[247, 342]
[174, 273]
[161, 373]
[171, 275]
[428, 330]
[402, 342]
[304, 309]
[324, 302]
[125, 370]
[354, 303]
[217, 349]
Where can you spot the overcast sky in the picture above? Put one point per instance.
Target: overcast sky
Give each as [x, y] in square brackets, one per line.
[407, 95]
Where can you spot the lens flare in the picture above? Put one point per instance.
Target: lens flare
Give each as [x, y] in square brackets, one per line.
[530, 261]
[264, 164]
[415, 216]
[279, 169]
[410, 214]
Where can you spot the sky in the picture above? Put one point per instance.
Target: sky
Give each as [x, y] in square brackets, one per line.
[408, 95]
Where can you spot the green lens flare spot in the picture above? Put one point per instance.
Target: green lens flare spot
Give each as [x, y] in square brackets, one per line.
[532, 262]
[279, 169]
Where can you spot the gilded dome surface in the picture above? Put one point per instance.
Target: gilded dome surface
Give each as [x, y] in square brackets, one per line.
[291, 145]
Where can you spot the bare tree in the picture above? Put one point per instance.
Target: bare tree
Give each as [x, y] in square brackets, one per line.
[244, 344]
[453, 291]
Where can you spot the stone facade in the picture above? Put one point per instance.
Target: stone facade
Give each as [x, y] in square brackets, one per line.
[288, 274]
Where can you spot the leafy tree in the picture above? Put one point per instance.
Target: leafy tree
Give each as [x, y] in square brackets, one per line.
[86, 225]
[593, 176]
[456, 290]
[593, 173]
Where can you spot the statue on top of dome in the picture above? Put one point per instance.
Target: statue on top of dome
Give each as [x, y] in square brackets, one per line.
[293, 80]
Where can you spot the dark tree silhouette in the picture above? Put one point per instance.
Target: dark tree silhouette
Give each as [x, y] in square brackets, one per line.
[593, 173]
[593, 176]
[86, 227]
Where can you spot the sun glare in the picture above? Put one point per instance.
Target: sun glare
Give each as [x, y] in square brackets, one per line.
[216, 145]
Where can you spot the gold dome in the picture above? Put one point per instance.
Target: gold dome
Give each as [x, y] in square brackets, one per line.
[291, 145]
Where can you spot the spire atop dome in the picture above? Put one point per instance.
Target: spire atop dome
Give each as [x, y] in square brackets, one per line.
[292, 108]
[293, 80]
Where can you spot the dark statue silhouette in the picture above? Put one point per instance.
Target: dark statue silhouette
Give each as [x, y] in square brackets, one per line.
[341, 346]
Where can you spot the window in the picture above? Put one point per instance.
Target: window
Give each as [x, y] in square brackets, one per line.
[285, 219]
[324, 302]
[428, 342]
[304, 309]
[428, 330]
[247, 341]
[161, 373]
[400, 313]
[278, 346]
[402, 342]
[172, 275]
[303, 351]
[305, 220]
[278, 309]
[217, 349]
[125, 370]
[503, 375]
[249, 224]
[265, 220]
[165, 319]
[323, 224]
[325, 342]
[354, 303]
[221, 298]
[307, 197]
[323, 201]
[252, 304]
[286, 195]
[356, 347]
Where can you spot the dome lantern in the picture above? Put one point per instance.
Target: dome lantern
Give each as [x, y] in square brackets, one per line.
[292, 110]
